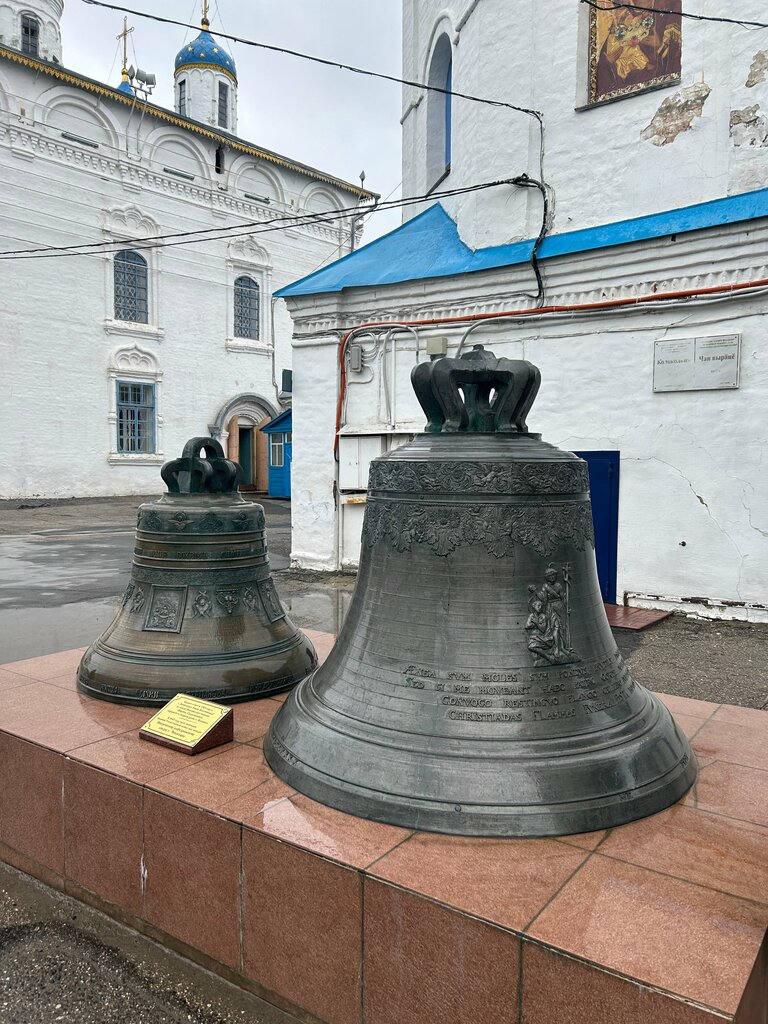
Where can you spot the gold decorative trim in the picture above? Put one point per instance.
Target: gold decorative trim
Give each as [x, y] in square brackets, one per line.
[213, 67]
[71, 78]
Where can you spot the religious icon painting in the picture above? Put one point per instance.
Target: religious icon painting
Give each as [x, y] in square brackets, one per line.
[634, 48]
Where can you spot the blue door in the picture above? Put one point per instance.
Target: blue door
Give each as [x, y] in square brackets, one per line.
[604, 485]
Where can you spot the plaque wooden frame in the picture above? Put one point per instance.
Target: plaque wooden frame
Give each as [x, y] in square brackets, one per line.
[207, 725]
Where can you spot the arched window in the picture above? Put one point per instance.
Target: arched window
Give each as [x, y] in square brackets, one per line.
[183, 97]
[246, 308]
[439, 112]
[30, 35]
[131, 287]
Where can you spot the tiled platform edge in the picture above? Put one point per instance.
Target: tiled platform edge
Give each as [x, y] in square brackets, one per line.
[344, 921]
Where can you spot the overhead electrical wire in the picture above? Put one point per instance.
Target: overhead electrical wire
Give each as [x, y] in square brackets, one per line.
[323, 60]
[216, 234]
[617, 5]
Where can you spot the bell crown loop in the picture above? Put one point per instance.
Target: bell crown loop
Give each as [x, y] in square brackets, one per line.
[214, 474]
[479, 375]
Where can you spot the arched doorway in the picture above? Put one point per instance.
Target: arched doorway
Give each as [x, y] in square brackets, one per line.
[238, 427]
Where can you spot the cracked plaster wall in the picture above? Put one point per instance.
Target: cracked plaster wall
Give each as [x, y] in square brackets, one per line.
[600, 167]
[693, 517]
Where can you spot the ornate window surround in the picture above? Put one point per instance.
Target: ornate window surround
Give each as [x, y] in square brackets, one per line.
[247, 258]
[132, 363]
[126, 224]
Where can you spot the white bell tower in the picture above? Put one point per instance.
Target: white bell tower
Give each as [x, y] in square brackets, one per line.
[205, 79]
[33, 27]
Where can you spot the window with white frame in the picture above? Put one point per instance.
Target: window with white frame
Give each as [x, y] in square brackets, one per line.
[136, 415]
[276, 451]
[131, 287]
[183, 97]
[247, 308]
[30, 35]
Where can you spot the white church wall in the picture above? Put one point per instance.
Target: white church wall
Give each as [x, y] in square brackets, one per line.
[598, 163]
[693, 526]
[63, 348]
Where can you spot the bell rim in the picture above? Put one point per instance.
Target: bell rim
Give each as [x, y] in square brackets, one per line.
[486, 821]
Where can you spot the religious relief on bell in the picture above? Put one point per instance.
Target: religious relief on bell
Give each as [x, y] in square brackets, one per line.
[631, 50]
[549, 622]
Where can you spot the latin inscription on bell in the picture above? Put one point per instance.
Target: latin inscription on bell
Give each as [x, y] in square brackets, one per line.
[475, 687]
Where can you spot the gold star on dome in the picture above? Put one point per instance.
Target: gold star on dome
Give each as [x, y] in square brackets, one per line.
[215, 49]
[190, 49]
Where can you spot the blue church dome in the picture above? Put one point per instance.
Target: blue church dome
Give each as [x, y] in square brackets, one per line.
[126, 87]
[205, 51]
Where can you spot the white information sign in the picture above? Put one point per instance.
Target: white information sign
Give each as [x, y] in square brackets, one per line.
[697, 364]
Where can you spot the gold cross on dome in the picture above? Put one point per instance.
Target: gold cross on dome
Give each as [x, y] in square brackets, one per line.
[206, 11]
[124, 36]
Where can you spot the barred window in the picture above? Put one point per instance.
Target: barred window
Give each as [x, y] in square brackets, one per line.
[131, 287]
[247, 308]
[30, 35]
[223, 105]
[135, 418]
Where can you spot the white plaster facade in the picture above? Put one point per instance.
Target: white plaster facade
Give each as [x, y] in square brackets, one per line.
[47, 13]
[598, 167]
[82, 163]
[693, 512]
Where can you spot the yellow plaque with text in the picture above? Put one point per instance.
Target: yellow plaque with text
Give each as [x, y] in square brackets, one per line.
[190, 725]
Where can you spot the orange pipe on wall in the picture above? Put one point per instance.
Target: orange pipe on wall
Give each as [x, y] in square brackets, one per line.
[720, 289]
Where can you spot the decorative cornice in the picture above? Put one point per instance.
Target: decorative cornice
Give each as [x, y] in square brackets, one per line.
[71, 78]
[124, 171]
[193, 66]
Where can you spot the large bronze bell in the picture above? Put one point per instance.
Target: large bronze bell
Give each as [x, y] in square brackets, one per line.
[476, 687]
[201, 615]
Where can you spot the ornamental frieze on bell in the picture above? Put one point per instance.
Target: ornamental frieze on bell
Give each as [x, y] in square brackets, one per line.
[201, 614]
[476, 687]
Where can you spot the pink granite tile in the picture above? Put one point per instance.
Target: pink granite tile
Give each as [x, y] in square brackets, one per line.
[585, 840]
[134, 759]
[427, 964]
[61, 719]
[752, 718]
[322, 642]
[689, 724]
[252, 720]
[12, 680]
[302, 928]
[298, 820]
[505, 881]
[739, 743]
[31, 822]
[67, 681]
[48, 666]
[723, 854]
[688, 706]
[192, 863]
[103, 835]
[218, 780]
[561, 990]
[731, 790]
[666, 933]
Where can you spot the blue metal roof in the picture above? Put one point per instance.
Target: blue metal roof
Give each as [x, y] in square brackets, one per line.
[206, 51]
[280, 424]
[429, 245]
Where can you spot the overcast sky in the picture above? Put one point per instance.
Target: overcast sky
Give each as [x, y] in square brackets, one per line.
[334, 120]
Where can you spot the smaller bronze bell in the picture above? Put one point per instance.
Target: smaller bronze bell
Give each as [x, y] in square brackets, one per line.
[201, 615]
